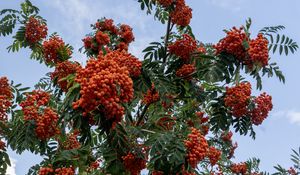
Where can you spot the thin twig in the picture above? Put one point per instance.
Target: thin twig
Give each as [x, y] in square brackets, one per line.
[167, 38]
[152, 132]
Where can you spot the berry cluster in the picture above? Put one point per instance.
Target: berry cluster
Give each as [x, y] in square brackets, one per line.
[93, 166]
[151, 96]
[53, 49]
[133, 164]
[106, 85]
[5, 97]
[256, 54]
[186, 71]
[205, 129]
[122, 46]
[214, 155]
[232, 150]
[166, 122]
[126, 33]
[238, 98]
[186, 172]
[35, 107]
[233, 43]
[71, 141]
[65, 171]
[203, 121]
[240, 168]
[196, 146]
[33, 102]
[201, 49]
[263, 105]
[88, 43]
[35, 31]
[165, 3]
[182, 14]
[168, 101]
[58, 171]
[258, 51]
[62, 70]
[107, 25]
[227, 137]
[46, 171]
[102, 39]
[108, 37]
[46, 124]
[127, 60]
[184, 47]
[199, 114]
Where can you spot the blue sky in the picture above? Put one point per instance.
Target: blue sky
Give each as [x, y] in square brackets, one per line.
[71, 19]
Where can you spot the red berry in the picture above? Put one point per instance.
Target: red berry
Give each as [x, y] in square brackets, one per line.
[186, 71]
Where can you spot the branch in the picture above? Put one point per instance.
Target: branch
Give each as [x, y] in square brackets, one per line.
[237, 75]
[141, 117]
[167, 38]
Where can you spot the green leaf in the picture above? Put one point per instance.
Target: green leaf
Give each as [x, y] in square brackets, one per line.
[282, 42]
[280, 49]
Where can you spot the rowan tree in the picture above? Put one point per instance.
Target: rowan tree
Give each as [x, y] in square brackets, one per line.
[174, 111]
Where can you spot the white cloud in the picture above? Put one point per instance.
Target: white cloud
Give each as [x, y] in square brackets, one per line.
[75, 11]
[11, 170]
[77, 15]
[233, 5]
[292, 115]
[138, 46]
